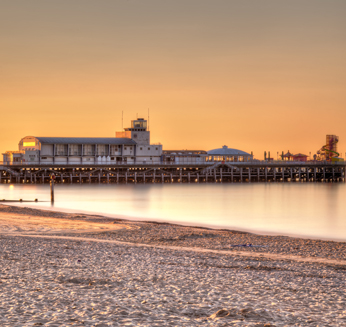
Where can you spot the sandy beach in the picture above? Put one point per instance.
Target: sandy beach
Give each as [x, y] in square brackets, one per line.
[60, 269]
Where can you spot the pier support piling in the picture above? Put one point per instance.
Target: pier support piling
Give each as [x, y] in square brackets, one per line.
[333, 170]
[266, 174]
[307, 174]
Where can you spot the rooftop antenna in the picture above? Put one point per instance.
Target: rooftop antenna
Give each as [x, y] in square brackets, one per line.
[137, 115]
[122, 120]
[148, 119]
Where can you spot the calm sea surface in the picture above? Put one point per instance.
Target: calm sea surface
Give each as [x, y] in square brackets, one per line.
[307, 209]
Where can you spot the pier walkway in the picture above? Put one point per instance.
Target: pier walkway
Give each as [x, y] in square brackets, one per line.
[207, 172]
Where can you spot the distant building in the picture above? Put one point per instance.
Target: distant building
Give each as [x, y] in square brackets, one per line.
[288, 156]
[184, 156]
[227, 154]
[300, 157]
[131, 146]
[137, 132]
[13, 156]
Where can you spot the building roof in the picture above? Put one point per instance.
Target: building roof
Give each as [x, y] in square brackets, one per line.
[184, 152]
[300, 155]
[85, 140]
[226, 151]
[288, 154]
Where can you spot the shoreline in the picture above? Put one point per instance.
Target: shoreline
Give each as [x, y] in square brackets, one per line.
[135, 219]
[89, 270]
[148, 232]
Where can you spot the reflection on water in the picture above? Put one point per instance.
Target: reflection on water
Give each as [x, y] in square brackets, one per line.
[315, 210]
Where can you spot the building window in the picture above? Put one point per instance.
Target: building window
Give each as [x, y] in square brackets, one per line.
[156, 149]
[148, 148]
[75, 150]
[61, 149]
[101, 149]
[114, 149]
[125, 148]
[29, 143]
[140, 148]
[88, 149]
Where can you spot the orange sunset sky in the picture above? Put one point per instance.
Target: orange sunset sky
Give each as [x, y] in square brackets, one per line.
[254, 75]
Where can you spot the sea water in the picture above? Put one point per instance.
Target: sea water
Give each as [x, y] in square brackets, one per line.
[316, 210]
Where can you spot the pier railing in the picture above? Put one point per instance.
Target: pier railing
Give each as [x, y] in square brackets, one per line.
[168, 164]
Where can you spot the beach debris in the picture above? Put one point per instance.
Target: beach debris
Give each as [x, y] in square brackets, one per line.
[249, 245]
[220, 313]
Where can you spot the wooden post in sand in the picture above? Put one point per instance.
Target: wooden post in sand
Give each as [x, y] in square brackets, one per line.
[52, 178]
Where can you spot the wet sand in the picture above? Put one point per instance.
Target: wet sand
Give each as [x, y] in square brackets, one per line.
[61, 269]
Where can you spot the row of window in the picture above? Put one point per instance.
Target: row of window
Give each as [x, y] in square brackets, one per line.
[228, 158]
[88, 149]
[141, 148]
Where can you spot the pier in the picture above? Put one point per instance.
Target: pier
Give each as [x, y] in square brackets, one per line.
[220, 172]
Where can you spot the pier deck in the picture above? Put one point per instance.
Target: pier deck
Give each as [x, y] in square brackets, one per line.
[221, 172]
